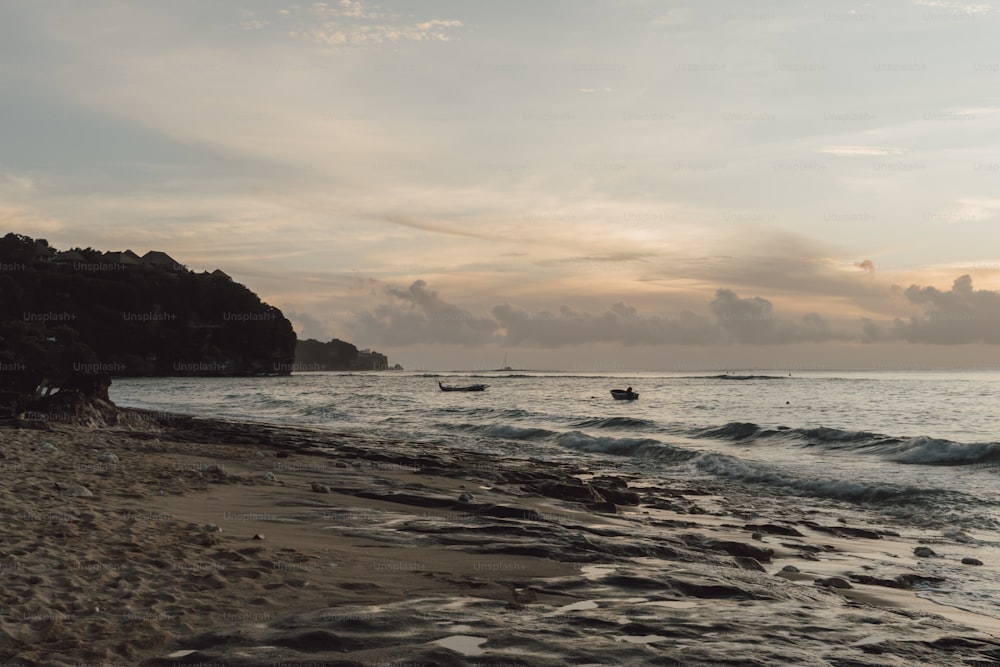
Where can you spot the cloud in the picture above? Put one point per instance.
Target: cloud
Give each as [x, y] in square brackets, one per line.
[970, 210]
[27, 221]
[752, 321]
[866, 265]
[860, 151]
[960, 315]
[438, 228]
[350, 22]
[621, 323]
[418, 315]
[958, 7]
[306, 326]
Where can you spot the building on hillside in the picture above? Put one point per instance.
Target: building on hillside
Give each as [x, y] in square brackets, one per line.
[124, 258]
[162, 260]
[42, 252]
[70, 257]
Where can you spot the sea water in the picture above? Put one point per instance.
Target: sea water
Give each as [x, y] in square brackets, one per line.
[906, 451]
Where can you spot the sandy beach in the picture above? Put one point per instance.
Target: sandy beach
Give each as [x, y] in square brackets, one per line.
[169, 540]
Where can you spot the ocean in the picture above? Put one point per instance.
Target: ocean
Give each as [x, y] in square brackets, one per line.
[911, 452]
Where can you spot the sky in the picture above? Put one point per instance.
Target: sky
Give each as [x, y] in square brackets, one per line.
[577, 184]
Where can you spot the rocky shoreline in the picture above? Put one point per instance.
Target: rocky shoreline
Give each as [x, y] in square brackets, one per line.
[161, 539]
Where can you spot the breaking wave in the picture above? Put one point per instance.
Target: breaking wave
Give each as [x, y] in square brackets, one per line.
[636, 447]
[617, 422]
[919, 450]
[728, 467]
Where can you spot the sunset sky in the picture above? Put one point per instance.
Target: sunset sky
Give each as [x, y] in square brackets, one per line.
[592, 185]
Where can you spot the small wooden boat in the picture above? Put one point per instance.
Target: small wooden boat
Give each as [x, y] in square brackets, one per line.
[625, 394]
[471, 387]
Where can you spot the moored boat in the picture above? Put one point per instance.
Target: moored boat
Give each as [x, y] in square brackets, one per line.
[625, 394]
[471, 387]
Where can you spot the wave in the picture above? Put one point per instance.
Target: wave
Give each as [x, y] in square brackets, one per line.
[736, 431]
[732, 376]
[616, 422]
[636, 447]
[328, 410]
[919, 450]
[744, 431]
[932, 451]
[509, 432]
[728, 467]
[505, 431]
[486, 411]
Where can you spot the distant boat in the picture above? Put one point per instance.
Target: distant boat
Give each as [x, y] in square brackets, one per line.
[505, 367]
[471, 387]
[625, 394]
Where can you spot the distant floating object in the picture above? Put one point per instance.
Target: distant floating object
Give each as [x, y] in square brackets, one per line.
[505, 367]
[625, 394]
[471, 387]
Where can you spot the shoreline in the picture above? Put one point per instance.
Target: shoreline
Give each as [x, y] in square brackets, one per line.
[379, 551]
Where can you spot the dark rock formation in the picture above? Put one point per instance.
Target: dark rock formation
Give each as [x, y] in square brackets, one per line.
[336, 355]
[69, 321]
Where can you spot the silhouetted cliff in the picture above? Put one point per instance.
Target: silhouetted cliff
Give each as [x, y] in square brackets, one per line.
[89, 313]
[337, 355]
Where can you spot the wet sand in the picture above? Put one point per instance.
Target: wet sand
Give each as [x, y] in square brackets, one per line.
[209, 542]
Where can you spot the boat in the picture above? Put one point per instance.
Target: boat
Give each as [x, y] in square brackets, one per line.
[471, 387]
[505, 367]
[625, 394]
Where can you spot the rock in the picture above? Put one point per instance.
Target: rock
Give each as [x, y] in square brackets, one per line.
[320, 488]
[107, 457]
[78, 491]
[858, 532]
[924, 552]
[844, 531]
[833, 582]
[508, 512]
[971, 561]
[577, 493]
[902, 581]
[911, 580]
[749, 564]
[738, 549]
[605, 507]
[465, 498]
[616, 495]
[258, 536]
[790, 568]
[773, 529]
